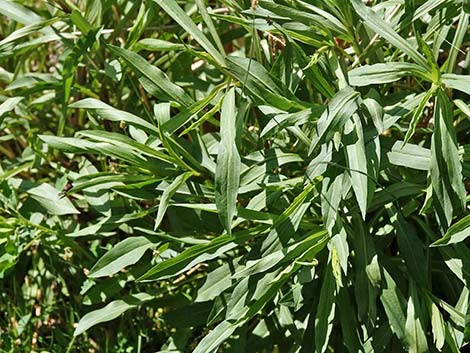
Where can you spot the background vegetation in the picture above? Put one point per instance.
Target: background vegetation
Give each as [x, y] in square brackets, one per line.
[234, 176]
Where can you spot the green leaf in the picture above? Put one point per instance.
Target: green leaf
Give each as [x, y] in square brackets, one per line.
[18, 12]
[341, 107]
[438, 326]
[171, 125]
[374, 110]
[464, 108]
[379, 26]
[154, 81]
[108, 112]
[215, 338]
[349, 324]
[332, 192]
[427, 7]
[325, 311]
[210, 25]
[409, 155]
[393, 302]
[111, 311]
[311, 244]
[410, 246]
[126, 143]
[197, 254]
[52, 200]
[81, 22]
[227, 173]
[115, 150]
[321, 20]
[313, 72]
[457, 233]
[26, 31]
[286, 120]
[384, 73]
[139, 26]
[446, 169]
[153, 44]
[458, 82]
[417, 115]
[357, 162]
[124, 253]
[172, 8]
[333, 22]
[215, 283]
[263, 87]
[414, 334]
[8, 105]
[167, 195]
[460, 33]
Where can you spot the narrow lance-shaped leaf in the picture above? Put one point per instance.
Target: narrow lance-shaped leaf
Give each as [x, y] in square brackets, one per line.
[458, 82]
[51, 200]
[332, 192]
[460, 33]
[427, 7]
[438, 325]
[154, 81]
[357, 162]
[125, 142]
[168, 193]
[227, 174]
[457, 233]
[320, 20]
[410, 246]
[368, 273]
[378, 25]
[212, 341]
[409, 155]
[374, 109]
[110, 113]
[210, 25]
[334, 22]
[111, 311]
[199, 253]
[261, 85]
[467, 325]
[349, 324]
[139, 26]
[18, 12]
[446, 169]
[417, 115]
[172, 8]
[81, 22]
[8, 105]
[125, 253]
[339, 110]
[312, 72]
[326, 311]
[384, 73]
[414, 334]
[464, 108]
[26, 31]
[393, 302]
[153, 44]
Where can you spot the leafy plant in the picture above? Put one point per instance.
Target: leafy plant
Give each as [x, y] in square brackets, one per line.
[264, 176]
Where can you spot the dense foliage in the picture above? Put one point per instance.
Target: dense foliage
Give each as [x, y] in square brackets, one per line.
[234, 176]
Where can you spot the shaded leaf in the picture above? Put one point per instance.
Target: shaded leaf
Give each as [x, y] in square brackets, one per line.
[227, 173]
[124, 253]
[110, 311]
